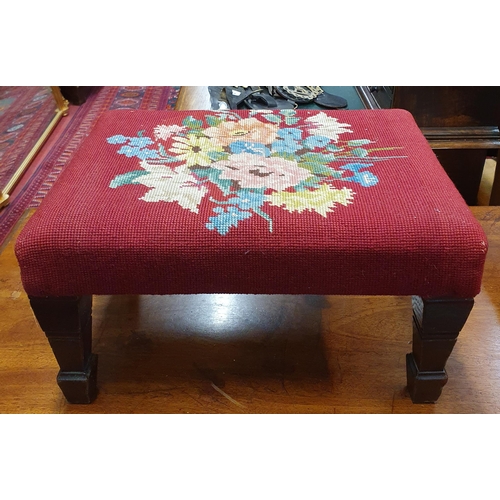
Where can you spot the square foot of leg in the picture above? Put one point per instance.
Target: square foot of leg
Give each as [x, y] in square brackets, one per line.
[80, 387]
[423, 387]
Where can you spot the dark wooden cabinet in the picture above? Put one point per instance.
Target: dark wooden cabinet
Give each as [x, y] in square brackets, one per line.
[460, 123]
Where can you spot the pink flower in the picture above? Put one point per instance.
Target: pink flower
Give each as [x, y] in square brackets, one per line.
[255, 171]
[248, 130]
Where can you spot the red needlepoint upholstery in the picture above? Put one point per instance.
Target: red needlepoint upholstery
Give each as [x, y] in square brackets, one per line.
[289, 202]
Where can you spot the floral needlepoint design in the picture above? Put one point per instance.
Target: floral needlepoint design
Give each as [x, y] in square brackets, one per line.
[243, 165]
[250, 171]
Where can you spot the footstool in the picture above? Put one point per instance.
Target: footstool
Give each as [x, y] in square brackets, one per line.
[253, 202]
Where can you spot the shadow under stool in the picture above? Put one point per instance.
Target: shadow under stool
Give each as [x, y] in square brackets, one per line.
[249, 202]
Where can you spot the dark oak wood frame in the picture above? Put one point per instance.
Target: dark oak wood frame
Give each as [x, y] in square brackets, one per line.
[461, 133]
[436, 325]
[67, 323]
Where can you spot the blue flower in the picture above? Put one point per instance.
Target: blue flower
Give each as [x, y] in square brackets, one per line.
[366, 178]
[290, 133]
[316, 141]
[135, 146]
[356, 167]
[130, 151]
[247, 200]
[288, 142]
[117, 139]
[285, 146]
[140, 142]
[254, 148]
[225, 220]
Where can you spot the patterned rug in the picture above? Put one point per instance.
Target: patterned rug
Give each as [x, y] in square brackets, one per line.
[42, 179]
[25, 113]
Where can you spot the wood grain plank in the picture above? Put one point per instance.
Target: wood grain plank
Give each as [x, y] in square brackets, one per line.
[269, 354]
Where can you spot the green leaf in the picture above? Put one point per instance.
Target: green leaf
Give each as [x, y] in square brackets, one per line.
[171, 159]
[217, 155]
[335, 174]
[224, 185]
[165, 156]
[128, 178]
[242, 191]
[332, 147]
[191, 123]
[291, 121]
[358, 142]
[310, 182]
[196, 132]
[285, 155]
[318, 157]
[272, 118]
[317, 168]
[212, 174]
[359, 152]
[213, 121]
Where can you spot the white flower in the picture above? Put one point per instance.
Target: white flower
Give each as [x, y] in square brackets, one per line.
[164, 131]
[172, 185]
[327, 126]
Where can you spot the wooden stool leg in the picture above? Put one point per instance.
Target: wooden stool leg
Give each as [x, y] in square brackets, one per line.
[436, 325]
[67, 322]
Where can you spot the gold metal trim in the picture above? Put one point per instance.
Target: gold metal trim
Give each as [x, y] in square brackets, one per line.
[62, 107]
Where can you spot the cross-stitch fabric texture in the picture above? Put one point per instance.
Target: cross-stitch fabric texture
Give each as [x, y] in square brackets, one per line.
[288, 201]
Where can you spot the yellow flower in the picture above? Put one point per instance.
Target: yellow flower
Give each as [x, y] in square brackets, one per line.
[194, 150]
[321, 200]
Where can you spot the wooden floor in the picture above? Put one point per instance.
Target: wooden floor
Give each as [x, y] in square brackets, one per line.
[250, 354]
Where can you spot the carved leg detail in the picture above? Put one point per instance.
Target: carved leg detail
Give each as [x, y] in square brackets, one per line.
[436, 325]
[67, 322]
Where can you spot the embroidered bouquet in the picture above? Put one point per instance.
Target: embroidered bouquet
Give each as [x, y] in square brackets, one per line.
[243, 164]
